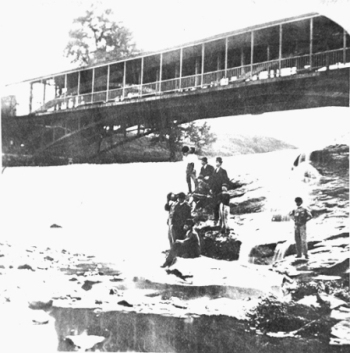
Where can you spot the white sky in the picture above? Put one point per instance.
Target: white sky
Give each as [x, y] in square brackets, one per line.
[34, 34]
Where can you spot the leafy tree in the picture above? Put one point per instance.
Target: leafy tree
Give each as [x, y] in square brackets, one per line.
[199, 135]
[174, 136]
[96, 37]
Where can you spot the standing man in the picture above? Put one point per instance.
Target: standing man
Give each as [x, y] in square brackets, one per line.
[182, 212]
[300, 216]
[218, 178]
[207, 170]
[190, 159]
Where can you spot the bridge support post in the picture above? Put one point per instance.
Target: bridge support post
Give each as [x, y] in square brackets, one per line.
[251, 53]
[30, 98]
[78, 93]
[160, 72]
[226, 55]
[311, 39]
[92, 85]
[107, 88]
[280, 51]
[124, 80]
[141, 76]
[344, 46]
[44, 91]
[181, 58]
[202, 70]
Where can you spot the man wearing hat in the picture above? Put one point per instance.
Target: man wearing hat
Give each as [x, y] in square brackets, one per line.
[182, 211]
[207, 170]
[187, 248]
[218, 178]
[202, 193]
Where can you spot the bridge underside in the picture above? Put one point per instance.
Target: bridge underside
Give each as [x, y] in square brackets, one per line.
[49, 130]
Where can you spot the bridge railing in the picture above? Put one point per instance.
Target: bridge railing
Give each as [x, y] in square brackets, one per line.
[297, 62]
[331, 59]
[265, 69]
[193, 81]
[99, 97]
[132, 91]
[213, 77]
[115, 94]
[237, 73]
[150, 89]
[170, 85]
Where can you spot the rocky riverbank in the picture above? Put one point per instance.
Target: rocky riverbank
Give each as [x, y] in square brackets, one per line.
[55, 299]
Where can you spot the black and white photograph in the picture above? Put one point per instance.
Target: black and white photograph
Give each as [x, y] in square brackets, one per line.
[175, 176]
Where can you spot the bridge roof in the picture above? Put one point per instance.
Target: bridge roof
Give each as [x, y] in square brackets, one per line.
[188, 44]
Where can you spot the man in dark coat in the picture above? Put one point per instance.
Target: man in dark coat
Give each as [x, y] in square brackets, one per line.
[218, 178]
[187, 248]
[207, 170]
[182, 212]
[201, 195]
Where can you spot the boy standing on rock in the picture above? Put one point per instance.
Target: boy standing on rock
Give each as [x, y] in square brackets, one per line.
[300, 216]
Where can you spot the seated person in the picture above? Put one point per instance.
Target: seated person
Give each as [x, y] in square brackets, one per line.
[187, 248]
[201, 194]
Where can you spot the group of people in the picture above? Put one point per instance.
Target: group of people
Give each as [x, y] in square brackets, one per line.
[210, 189]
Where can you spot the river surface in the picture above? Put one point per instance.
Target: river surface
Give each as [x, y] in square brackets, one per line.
[116, 212]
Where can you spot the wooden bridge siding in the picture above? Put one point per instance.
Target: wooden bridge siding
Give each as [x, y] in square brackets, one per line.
[329, 88]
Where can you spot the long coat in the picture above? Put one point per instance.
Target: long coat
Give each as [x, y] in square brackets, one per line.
[217, 179]
[182, 212]
[207, 171]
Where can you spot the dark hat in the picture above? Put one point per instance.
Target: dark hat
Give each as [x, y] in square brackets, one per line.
[298, 199]
[219, 159]
[204, 159]
[185, 149]
[181, 195]
[189, 222]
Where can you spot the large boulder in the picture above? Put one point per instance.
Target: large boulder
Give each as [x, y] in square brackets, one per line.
[331, 160]
[219, 246]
